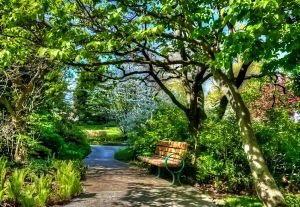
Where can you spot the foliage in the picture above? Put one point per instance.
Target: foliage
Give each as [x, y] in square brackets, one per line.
[292, 200]
[3, 171]
[167, 123]
[125, 155]
[221, 161]
[91, 98]
[243, 201]
[39, 182]
[39, 167]
[131, 104]
[38, 192]
[15, 185]
[280, 141]
[63, 139]
[35, 193]
[67, 180]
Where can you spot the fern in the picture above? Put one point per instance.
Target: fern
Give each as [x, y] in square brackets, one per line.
[15, 184]
[3, 171]
[67, 180]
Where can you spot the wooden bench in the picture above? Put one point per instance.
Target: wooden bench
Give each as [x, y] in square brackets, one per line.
[170, 155]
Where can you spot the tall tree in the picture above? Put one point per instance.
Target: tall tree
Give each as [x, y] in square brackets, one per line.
[211, 35]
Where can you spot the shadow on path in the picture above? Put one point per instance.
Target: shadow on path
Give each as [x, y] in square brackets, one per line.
[113, 183]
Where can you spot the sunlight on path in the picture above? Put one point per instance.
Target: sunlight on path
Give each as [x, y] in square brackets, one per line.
[113, 183]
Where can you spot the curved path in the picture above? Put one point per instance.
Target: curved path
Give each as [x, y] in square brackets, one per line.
[113, 183]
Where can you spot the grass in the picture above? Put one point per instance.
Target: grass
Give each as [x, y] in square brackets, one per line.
[247, 201]
[103, 135]
[243, 201]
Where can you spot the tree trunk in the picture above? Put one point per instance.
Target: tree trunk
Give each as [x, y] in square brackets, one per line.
[196, 115]
[222, 108]
[265, 184]
[18, 125]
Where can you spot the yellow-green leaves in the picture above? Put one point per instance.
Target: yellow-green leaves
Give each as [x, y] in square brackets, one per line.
[5, 58]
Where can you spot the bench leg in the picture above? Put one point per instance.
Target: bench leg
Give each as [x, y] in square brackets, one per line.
[158, 172]
[178, 177]
[176, 174]
[175, 177]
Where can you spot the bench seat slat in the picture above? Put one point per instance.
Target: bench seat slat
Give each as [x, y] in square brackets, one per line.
[159, 161]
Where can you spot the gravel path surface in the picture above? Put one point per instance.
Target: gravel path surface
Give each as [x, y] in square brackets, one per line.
[113, 183]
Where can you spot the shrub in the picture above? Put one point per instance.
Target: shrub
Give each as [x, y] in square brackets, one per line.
[67, 180]
[39, 167]
[126, 155]
[280, 142]
[80, 167]
[63, 139]
[31, 192]
[222, 161]
[168, 123]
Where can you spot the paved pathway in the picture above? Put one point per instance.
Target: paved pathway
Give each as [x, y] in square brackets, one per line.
[113, 183]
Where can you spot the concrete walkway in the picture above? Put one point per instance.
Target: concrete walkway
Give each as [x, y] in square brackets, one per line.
[113, 183]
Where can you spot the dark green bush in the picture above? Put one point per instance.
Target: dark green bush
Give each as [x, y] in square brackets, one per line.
[63, 139]
[125, 155]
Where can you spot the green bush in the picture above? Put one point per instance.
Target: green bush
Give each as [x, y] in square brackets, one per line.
[67, 180]
[39, 167]
[63, 139]
[168, 123]
[279, 138]
[222, 161]
[42, 189]
[125, 155]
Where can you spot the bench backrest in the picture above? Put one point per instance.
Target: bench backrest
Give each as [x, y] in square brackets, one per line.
[164, 148]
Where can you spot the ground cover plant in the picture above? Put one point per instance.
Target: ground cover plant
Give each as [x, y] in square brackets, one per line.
[29, 186]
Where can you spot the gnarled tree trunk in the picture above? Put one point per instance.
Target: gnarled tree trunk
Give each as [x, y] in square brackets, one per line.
[266, 187]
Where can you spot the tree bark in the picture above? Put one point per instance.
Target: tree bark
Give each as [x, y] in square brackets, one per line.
[238, 81]
[266, 187]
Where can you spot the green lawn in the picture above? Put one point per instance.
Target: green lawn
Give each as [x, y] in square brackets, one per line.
[247, 201]
[101, 134]
[242, 201]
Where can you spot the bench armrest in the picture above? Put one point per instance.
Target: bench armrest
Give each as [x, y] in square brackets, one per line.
[166, 162]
